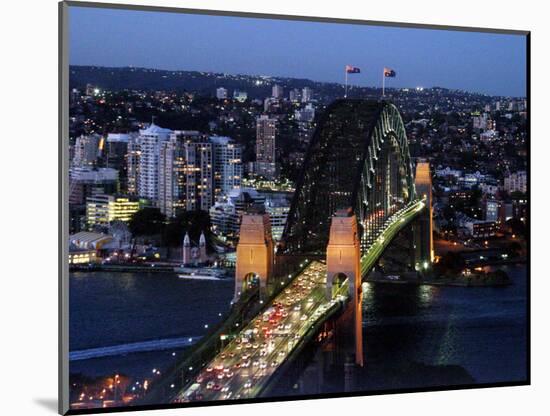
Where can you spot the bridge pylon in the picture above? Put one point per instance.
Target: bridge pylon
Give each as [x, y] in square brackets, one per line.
[343, 265]
[424, 252]
[254, 254]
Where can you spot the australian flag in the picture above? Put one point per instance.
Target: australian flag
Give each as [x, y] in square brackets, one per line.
[388, 72]
[352, 69]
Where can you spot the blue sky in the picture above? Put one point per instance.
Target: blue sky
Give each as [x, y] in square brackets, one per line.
[493, 64]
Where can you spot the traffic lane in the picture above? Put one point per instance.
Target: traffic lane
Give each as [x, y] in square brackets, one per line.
[280, 342]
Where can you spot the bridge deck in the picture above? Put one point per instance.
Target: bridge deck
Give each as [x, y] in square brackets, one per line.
[245, 366]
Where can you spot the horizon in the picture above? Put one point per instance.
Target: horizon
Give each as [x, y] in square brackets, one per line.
[477, 62]
[274, 77]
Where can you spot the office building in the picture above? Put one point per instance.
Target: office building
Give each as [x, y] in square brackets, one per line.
[104, 209]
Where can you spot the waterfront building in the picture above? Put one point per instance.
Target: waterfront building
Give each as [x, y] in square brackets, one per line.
[86, 240]
[266, 131]
[150, 141]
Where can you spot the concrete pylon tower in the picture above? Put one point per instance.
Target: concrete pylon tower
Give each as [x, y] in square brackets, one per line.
[202, 249]
[424, 241]
[343, 262]
[186, 255]
[254, 253]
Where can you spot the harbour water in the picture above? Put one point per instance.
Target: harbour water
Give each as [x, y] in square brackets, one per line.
[414, 336]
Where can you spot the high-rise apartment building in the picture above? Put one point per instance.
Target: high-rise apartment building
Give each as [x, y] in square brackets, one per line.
[266, 131]
[150, 141]
[186, 180]
[133, 156]
[228, 166]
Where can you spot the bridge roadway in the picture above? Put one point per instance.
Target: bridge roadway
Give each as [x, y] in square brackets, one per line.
[246, 364]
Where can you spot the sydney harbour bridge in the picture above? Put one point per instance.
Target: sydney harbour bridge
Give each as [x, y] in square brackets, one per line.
[358, 191]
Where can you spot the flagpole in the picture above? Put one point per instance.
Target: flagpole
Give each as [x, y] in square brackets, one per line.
[383, 83]
[346, 83]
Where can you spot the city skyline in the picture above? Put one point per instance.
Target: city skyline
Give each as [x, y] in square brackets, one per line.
[486, 63]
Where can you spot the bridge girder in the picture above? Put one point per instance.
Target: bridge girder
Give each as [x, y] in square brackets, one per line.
[358, 158]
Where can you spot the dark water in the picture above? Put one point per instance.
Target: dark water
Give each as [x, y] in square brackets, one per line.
[480, 331]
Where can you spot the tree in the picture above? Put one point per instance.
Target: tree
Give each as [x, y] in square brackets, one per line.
[147, 222]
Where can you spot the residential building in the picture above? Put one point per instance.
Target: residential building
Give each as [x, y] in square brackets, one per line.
[266, 131]
[150, 141]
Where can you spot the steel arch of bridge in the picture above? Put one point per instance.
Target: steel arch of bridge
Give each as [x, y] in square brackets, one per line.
[359, 158]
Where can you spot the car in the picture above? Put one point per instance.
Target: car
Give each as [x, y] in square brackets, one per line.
[245, 364]
[200, 378]
[255, 364]
[298, 307]
[219, 367]
[245, 357]
[220, 376]
[210, 385]
[229, 374]
[209, 369]
[228, 395]
[274, 364]
[263, 364]
[225, 389]
[255, 346]
[248, 384]
[303, 318]
[217, 387]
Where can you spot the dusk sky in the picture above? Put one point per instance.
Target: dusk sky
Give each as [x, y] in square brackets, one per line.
[478, 62]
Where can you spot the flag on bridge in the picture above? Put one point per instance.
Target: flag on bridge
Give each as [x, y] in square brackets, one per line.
[388, 72]
[352, 70]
